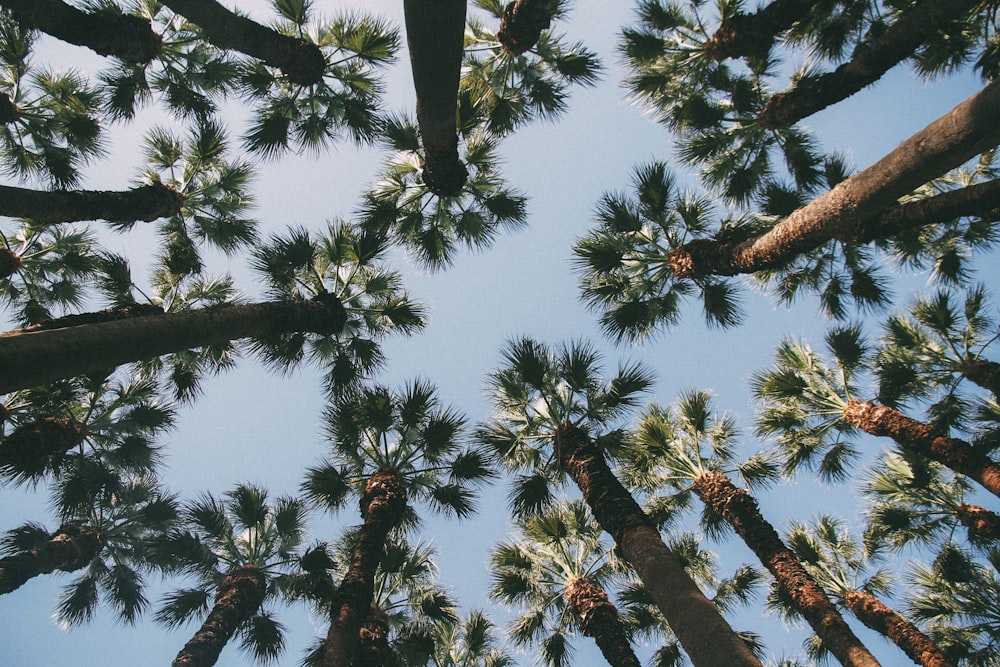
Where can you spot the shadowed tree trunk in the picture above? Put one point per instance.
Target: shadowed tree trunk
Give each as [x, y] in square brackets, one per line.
[8, 110]
[146, 203]
[983, 372]
[598, 618]
[30, 446]
[915, 644]
[106, 32]
[981, 522]
[68, 549]
[435, 34]
[238, 597]
[9, 262]
[705, 635]
[522, 24]
[301, 61]
[373, 640]
[916, 436]
[739, 509]
[33, 358]
[753, 35]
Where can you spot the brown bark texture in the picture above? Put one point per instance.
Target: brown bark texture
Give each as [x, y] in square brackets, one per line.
[915, 644]
[237, 599]
[753, 35]
[916, 436]
[373, 640]
[868, 64]
[739, 509]
[981, 522]
[33, 358]
[705, 635]
[522, 24]
[70, 548]
[598, 618]
[983, 372]
[964, 132]
[146, 203]
[31, 446]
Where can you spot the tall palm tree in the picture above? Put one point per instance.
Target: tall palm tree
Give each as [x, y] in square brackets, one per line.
[471, 642]
[556, 398]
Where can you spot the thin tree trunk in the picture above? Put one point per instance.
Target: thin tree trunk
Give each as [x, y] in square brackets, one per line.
[753, 35]
[238, 598]
[598, 618]
[33, 358]
[908, 433]
[301, 61]
[106, 32]
[522, 24]
[915, 644]
[983, 372]
[30, 447]
[373, 640]
[146, 203]
[739, 509]
[705, 635]
[981, 522]
[435, 34]
[70, 548]
[966, 131]
[869, 63]
[382, 508]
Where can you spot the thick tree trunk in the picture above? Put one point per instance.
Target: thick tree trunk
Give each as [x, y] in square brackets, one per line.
[983, 372]
[373, 640]
[30, 447]
[382, 508]
[867, 66]
[908, 433]
[122, 312]
[753, 35]
[705, 635]
[981, 522]
[238, 598]
[966, 131]
[883, 620]
[301, 61]
[739, 509]
[522, 24]
[32, 358]
[435, 34]
[108, 33]
[146, 203]
[598, 618]
[69, 549]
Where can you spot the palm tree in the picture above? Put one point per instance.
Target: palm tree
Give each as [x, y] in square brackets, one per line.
[523, 22]
[149, 202]
[752, 35]
[468, 643]
[557, 397]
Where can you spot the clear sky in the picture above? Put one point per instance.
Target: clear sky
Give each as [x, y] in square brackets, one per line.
[253, 426]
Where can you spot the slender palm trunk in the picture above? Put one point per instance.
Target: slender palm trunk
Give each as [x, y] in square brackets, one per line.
[981, 522]
[522, 24]
[69, 549]
[107, 33]
[30, 447]
[33, 358]
[910, 434]
[705, 635]
[238, 598]
[301, 61]
[598, 618]
[373, 642]
[753, 35]
[739, 509]
[983, 372]
[966, 131]
[915, 644]
[149, 202]
[382, 508]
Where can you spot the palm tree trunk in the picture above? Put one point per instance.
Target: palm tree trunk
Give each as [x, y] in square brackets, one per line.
[753, 35]
[33, 358]
[908, 433]
[435, 35]
[301, 61]
[598, 618]
[70, 548]
[106, 32]
[9, 262]
[966, 131]
[867, 66]
[876, 615]
[373, 640]
[739, 509]
[146, 203]
[30, 447]
[981, 522]
[983, 372]
[8, 110]
[238, 597]
[703, 632]
[522, 24]
[382, 508]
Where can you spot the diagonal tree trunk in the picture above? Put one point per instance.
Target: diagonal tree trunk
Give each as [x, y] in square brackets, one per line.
[301, 61]
[106, 32]
[598, 618]
[916, 436]
[146, 203]
[29, 447]
[70, 548]
[238, 598]
[981, 522]
[739, 509]
[983, 372]
[33, 358]
[522, 24]
[915, 644]
[753, 35]
[703, 632]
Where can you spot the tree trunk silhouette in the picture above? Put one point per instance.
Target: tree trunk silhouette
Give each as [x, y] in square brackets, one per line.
[598, 618]
[753, 35]
[146, 203]
[70, 548]
[915, 644]
[522, 24]
[983, 372]
[8, 110]
[31, 446]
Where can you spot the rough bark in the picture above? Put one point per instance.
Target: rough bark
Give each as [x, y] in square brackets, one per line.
[70, 548]
[382, 508]
[983, 372]
[705, 635]
[31, 446]
[739, 509]
[435, 34]
[981, 522]
[598, 618]
[869, 63]
[237, 599]
[966, 131]
[373, 640]
[753, 35]
[146, 203]
[33, 358]
[522, 24]
[107, 315]
[108, 33]
[876, 615]
[916, 436]
[301, 61]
